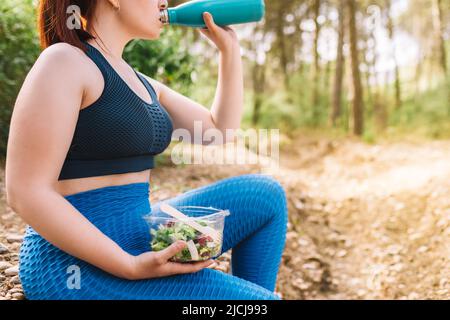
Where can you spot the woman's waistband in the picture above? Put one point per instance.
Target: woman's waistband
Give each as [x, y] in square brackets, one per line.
[111, 202]
[124, 190]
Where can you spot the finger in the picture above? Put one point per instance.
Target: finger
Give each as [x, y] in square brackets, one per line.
[206, 33]
[213, 264]
[170, 251]
[209, 21]
[178, 268]
[195, 267]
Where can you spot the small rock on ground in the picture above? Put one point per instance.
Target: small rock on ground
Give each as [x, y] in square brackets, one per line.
[3, 249]
[18, 296]
[11, 238]
[4, 265]
[12, 271]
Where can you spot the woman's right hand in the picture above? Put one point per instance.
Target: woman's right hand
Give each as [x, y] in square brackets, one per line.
[155, 264]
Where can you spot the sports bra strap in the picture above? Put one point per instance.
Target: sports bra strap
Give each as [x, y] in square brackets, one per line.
[100, 62]
[148, 86]
[109, 73]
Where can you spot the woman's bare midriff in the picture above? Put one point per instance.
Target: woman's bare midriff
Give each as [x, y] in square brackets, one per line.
[72, 186]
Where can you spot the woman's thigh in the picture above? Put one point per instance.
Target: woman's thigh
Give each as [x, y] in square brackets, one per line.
[73, 279]
[206, 284]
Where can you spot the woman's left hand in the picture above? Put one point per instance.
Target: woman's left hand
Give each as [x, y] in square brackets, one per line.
[224, 37]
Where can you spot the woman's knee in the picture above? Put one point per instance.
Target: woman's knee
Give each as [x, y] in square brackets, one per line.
[236, 288]
[258, 182]
[267, 188]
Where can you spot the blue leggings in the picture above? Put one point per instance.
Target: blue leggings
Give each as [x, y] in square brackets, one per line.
[255, 230]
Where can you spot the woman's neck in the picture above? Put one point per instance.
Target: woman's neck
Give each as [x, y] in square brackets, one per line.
[109, 34]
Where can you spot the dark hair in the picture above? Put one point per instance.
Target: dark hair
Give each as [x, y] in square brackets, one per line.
[52, 22]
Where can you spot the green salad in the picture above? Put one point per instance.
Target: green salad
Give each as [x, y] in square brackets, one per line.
[199, 246]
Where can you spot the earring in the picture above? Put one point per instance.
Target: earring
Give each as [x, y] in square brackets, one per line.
[163, 4]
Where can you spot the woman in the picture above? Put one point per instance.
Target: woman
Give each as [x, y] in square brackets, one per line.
[84, 131]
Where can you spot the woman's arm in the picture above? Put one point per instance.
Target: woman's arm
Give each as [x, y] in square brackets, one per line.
[42, 126]
[227, 108]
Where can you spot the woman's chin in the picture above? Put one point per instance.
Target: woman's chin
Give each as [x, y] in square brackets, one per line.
[152, 36]
[156, 36]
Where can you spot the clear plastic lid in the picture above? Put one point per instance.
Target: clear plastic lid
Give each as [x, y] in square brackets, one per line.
[194, 212]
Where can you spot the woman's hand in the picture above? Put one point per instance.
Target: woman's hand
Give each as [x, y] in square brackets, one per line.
[155, 264]
[224, 38]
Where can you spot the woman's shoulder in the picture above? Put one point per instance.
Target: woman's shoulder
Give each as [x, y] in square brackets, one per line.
[64, 62]
[63, 57]
[63, 48]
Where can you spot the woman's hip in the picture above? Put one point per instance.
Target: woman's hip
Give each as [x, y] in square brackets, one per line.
[117, 211]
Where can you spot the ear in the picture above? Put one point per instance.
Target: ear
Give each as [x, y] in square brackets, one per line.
[115, 4]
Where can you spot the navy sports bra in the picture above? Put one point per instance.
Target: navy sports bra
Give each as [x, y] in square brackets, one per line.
[119, 132]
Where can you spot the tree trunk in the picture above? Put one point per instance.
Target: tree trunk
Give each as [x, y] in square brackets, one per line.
[258, 71]
[316, 82]
[282, 44]
[390, 28]
[259, 80]
[259, 83]
[438, 16]
[327, 76]
[340, 61]
[379, 108]
[300, 43]
[418, 73]
[440, 29]
[358, 104]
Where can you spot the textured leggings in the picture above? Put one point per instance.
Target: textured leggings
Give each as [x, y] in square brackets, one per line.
[255, 230]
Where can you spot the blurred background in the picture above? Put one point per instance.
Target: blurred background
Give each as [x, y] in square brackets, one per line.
[360, 91]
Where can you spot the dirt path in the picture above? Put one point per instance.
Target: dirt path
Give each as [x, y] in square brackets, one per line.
[366, 221]
[378, 216]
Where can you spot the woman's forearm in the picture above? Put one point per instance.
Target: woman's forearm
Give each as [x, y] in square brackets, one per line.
[60, 223]
[228, 102]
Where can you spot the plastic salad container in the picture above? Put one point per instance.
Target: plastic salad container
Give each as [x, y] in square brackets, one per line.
[165, 230]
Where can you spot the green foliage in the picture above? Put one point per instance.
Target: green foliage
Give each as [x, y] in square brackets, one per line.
[293, 109]
[19, 47]
[369, 136]
[165, 60]
[425, 114]
[277, 112]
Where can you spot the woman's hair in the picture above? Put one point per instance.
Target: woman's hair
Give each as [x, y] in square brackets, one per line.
[56, 21]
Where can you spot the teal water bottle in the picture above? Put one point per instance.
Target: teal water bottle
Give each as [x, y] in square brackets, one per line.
[224, 12]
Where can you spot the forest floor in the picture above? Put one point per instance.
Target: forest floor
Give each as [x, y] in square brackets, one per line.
[366, 221]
